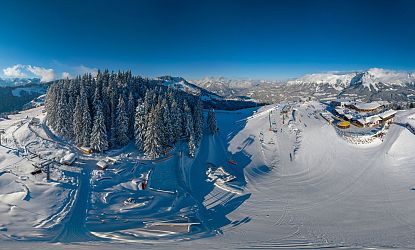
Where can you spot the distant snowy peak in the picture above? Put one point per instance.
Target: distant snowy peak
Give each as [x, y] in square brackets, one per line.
[371, 79]
[183, 85]
[5, 82]
[375, 77]
[180, 83]
[336, 80]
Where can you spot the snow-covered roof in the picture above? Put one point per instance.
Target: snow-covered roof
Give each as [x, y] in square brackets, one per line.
[348, 116]
[102, 164]
[373, 119]
[362, 121]
[342, 100]
[69, 158]
[339, 111]
[387, 113]
[367, 106]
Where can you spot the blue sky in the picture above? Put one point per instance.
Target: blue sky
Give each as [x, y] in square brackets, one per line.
[255, 39]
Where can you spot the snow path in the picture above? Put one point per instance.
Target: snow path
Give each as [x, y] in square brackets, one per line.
[74, 229]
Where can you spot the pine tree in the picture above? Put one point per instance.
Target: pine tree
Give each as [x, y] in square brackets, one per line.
[192, 145]
[62, 122]
[176, 120]
[77, 122]
[140, 126]
[152, 147]
[198, 119]
[131, 115]
[51, 103]
[86, 124]
[121, 133]
[189, 131]
[166, 126]
[211, 122]
[99, 140]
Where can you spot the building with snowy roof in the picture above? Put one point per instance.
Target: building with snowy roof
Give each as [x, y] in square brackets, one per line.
[366, 107]
[387, 116]
[341, 102]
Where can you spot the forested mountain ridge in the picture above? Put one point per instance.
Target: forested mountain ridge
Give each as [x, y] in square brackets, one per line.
[111, 109]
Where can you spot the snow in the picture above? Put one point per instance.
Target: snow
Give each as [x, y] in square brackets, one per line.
[308, 189]
[367, 105]
[387, 113]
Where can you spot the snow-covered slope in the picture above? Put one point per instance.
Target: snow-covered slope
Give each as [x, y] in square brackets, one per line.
[299, 186]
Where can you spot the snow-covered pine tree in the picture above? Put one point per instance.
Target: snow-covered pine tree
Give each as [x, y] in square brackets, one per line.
[99, 140]
[69, 112]
[62, 123]
[192, 146]
[188, 120]
[140, 126]
[51, 105]
[113, 121]
[189, 130]
[166, 126]
[211, 122]
[121, 132]
[77, 122]
[198, 119]
[97, 99]
[152, 147]
[86, 123]
[131, 114]
[176, 120]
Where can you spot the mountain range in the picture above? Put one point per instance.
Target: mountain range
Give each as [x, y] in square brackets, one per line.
[371, 84]
[226, 93]
[4, 82]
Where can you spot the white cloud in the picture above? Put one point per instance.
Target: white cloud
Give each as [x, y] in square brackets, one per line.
[66, 75]
[14, 71]
[81, 70]
[45, 75]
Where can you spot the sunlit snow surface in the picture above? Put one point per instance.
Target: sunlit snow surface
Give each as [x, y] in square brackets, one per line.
[329, 193]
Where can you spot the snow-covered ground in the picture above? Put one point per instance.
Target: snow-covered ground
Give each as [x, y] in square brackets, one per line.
[299, 185]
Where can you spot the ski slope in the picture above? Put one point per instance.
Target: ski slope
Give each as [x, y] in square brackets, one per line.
[298, 185]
